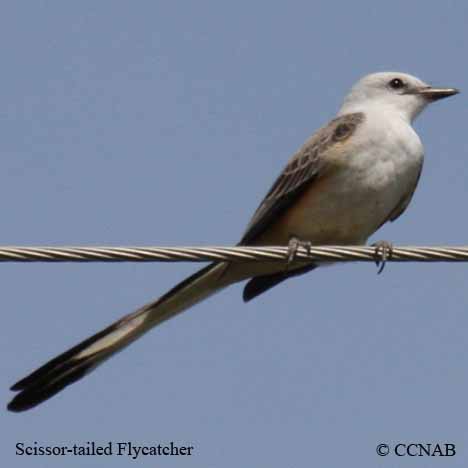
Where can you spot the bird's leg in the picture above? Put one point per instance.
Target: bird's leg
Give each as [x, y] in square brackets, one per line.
[293, 247]
[383, 251]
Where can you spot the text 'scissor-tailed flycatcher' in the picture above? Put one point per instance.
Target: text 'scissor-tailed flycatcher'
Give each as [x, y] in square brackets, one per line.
[352, 176]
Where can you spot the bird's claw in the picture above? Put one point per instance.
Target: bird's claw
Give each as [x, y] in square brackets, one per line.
[383, 251]
[293, 247]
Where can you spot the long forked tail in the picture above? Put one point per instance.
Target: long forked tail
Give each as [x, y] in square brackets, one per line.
[83, 358]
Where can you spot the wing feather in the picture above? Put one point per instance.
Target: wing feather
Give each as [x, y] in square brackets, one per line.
[302, 169]
[400, 208]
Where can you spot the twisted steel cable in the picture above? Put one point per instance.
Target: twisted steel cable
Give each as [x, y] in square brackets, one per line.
[230, 254]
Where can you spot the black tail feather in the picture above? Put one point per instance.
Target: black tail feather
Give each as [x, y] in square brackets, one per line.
[78, 361]
[33, 395]
[261, 284]
[56, 365]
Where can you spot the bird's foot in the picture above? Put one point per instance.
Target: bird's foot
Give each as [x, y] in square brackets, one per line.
[383, 251]
[293, 246]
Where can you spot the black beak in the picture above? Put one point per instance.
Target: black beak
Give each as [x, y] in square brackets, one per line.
[433, 94]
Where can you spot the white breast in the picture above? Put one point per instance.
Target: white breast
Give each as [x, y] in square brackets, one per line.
[383, 168]
[377, 172]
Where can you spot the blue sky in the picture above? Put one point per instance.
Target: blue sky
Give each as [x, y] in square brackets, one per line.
[164, 123]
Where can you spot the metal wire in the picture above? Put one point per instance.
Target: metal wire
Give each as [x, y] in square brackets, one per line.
[230, 254]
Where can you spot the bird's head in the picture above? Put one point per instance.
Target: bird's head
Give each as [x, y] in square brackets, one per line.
[393, 91]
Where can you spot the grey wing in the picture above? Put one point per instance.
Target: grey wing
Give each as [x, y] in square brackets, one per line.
[403, 203]
[303, 168]
[400, 209]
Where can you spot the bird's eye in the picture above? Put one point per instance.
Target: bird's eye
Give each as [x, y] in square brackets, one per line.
[396, 83]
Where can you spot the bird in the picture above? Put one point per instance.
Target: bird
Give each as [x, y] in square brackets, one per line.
[350, 177]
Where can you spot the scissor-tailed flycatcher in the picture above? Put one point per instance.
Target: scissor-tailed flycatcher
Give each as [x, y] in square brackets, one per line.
[347, 180]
